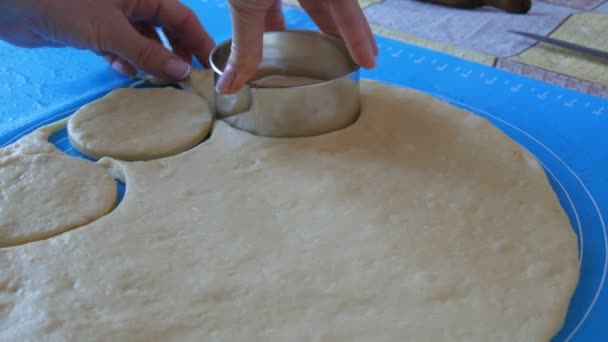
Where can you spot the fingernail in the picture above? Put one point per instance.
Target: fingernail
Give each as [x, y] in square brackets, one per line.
[369, 64]
[225, 83]
[177, 69]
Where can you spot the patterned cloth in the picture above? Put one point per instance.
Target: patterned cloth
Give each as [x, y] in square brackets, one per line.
[481, 35]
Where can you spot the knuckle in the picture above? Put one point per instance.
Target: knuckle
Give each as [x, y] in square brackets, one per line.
[245, 61]
[359, 44]
[144, 54]
[103, 36]
[189, 17]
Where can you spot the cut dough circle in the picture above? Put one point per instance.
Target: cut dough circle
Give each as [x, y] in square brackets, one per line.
[200, 82]
[46, 194]
[140, 124]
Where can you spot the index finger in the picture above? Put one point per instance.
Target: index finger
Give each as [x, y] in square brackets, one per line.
[180, 22]
[355, 31]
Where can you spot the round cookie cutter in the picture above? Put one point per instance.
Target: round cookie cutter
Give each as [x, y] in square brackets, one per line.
[328, 103]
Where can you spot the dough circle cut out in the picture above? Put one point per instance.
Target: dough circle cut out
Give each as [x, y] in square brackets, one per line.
[46, 194]
[140, 124]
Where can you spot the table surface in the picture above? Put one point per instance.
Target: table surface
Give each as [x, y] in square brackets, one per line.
[483, 35]
[563, 127]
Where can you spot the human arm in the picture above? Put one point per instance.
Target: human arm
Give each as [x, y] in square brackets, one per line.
[122, 31]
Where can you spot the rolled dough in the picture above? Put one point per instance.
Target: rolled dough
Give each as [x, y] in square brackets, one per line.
[46, 194]
[420, 222]
[140, 124]
[200, 82]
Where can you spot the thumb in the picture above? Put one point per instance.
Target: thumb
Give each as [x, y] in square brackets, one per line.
[147, 54]
[248, 21]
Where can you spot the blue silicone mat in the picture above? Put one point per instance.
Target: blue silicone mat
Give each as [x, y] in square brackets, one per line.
[566, 130]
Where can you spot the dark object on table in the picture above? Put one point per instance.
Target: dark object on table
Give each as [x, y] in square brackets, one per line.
[599, 54]
[511, 6]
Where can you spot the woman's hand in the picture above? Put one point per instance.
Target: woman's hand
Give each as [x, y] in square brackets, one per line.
[250, 18]
[122, 31]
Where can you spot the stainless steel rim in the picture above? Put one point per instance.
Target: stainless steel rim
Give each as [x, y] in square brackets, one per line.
[337, 41]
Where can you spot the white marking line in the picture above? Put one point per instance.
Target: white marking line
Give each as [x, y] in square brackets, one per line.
[70, 149]
[61, 140]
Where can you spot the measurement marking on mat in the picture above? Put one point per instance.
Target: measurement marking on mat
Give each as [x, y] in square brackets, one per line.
[598, 111]
[466, 74]
[517, 88]
[442, 67]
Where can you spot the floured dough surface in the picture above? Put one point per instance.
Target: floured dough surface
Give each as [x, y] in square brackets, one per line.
[140, 124]
[46, 194]
[200, 82]
[420, 222]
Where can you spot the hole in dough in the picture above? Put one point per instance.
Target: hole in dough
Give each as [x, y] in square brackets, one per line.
[47, 194]
[59, 139]
[140, 124]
